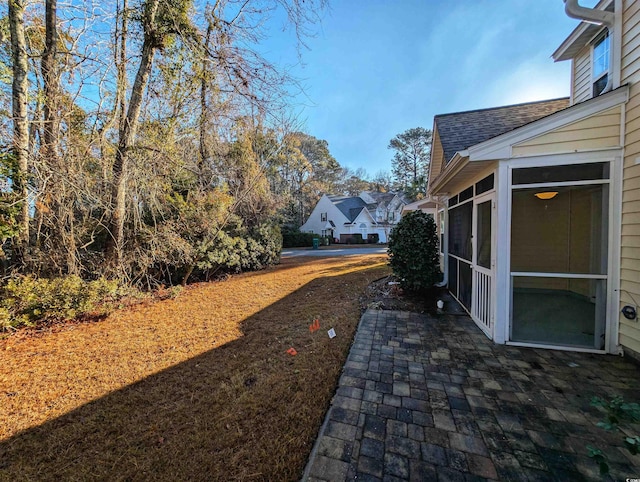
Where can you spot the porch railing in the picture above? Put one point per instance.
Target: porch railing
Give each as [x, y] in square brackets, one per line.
[481, 306]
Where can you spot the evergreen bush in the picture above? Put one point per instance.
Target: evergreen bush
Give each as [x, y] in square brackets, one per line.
[29, 301]
[293, 238]
[413, 251]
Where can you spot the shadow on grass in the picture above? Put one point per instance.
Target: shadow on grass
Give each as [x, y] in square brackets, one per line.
[246, 410]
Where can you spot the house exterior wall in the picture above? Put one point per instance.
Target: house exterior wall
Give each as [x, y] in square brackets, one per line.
[581, 74]
[344, 227]
[436, 163]
[630, 235]
[315, 225]
[630, 62]
[596, 132]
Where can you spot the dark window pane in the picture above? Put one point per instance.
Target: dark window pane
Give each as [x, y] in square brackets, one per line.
[453, 276]
[484, 234]
[453, 201]
[460, 223]
[485, 185]
[599, 85]
[575, 172]
[466, 194]
[464, 294]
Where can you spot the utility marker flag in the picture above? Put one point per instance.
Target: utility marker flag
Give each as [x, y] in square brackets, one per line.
[315, 326]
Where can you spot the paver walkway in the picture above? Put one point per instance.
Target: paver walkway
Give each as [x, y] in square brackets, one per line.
[431, 398]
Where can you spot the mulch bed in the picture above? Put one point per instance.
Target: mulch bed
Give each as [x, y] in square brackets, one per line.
[385, 294]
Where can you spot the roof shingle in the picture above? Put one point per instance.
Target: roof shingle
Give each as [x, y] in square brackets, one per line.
[350, 206]
[460, 130]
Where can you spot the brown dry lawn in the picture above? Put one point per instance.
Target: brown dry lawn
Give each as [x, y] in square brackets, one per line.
[196, 388]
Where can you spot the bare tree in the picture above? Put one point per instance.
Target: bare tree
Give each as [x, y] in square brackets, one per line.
[154, 38]
[20, 90]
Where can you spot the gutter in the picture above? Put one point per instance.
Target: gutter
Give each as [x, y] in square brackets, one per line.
[597, 17]
[589, 15]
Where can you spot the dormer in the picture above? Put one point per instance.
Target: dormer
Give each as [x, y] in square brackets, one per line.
[594, 48]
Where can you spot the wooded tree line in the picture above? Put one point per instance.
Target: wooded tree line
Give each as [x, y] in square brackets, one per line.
[149, 140]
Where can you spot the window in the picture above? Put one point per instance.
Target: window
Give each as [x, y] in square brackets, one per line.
[564, 173]
[460, 223]
[323, 217]
[363, 230]
[485, 185]
[600, 63]
[392, 216]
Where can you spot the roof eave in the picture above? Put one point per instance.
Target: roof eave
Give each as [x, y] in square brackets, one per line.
[452, 168]
[561, 52]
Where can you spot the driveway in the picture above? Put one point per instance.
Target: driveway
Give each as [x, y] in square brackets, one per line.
[331, 251]
[431, 398]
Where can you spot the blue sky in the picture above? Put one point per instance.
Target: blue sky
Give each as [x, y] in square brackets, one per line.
[379, 67]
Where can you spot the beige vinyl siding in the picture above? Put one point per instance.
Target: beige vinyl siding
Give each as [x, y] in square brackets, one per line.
[582, 76]
[437, 156]
[630, 242]
[630, 60]
[596, 132]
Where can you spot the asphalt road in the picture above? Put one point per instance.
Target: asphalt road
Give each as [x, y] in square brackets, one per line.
[331, 251]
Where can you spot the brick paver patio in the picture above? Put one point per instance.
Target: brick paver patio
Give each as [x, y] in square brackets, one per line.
[431, 398]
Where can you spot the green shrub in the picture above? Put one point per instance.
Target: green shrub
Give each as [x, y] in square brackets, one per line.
[413, 251]
[617, 412]
[296, 239]
[28, 301]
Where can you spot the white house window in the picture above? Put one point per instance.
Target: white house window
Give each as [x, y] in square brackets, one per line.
[323, 217]
[601, 63]
[392, 216]
[363, 230]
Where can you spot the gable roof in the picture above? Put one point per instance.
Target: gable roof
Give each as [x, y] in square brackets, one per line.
[350, 206]
[460, 130]
[382, 197]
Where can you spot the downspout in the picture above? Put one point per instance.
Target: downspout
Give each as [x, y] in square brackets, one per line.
[445, 273]
[597, 17]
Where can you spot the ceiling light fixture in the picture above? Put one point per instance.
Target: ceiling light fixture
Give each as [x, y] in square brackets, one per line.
[546, 195]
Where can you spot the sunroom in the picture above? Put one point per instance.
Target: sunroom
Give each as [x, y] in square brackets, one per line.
[529, 212]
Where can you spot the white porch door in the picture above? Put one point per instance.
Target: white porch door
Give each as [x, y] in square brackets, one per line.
[482, 299]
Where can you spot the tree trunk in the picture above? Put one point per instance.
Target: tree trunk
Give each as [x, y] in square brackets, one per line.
[51, 85]
[121, 62]
[62, 233]
[20, 120]
[204, 83]
[127, 135]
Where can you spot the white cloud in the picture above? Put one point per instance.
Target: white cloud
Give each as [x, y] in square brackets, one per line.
[531, 80]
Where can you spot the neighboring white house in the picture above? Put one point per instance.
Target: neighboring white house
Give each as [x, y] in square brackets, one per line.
[345, 217]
